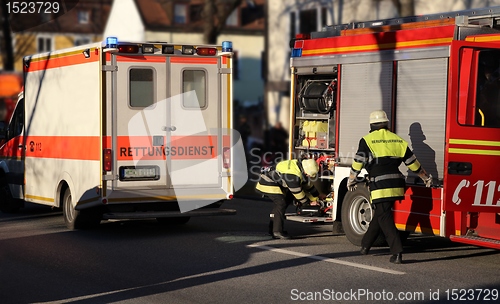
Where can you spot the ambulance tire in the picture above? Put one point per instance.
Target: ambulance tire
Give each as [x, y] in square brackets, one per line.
[173, 220]
[8, 204]
[356, 216]
[78, 219]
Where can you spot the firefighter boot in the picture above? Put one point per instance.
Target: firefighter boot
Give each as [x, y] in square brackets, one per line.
[396, 258]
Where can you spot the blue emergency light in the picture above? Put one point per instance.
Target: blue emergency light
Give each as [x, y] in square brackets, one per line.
[296, 52]
[111, 42]
[227, 46]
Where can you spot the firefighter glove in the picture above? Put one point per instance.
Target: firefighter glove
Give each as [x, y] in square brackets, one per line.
[351, 184]
[427, 180]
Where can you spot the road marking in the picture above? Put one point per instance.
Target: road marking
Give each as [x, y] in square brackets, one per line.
[325, 259]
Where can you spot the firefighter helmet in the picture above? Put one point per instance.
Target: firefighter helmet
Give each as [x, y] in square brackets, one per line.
[378, 116]
[310, 167]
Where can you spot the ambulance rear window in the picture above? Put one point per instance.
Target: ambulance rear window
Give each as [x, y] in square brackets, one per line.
[194, 80]
[141, 87]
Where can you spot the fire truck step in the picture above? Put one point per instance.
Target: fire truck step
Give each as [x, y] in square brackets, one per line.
[476, 241]
[307, 219]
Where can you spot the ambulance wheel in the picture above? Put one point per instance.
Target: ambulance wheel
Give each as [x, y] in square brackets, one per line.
[77, 219]
[8, 204]
[357, 214]
[173, 220]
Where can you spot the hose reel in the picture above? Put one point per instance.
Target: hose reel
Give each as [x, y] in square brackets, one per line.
[318, 96]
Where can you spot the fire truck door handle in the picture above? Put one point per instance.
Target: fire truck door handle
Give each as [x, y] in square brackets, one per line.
[170, 129]
[460, 168]
[20, 146]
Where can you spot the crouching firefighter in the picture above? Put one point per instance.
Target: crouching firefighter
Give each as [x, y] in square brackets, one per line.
[288, 180]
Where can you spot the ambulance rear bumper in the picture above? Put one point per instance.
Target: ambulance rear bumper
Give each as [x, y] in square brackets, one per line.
[157, 214]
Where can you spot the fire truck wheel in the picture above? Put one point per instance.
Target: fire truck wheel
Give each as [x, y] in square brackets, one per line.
[356, 216]
[76, 219]
[8, 204]
[173, 220]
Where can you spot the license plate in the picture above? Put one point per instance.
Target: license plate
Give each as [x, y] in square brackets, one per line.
[139, 173]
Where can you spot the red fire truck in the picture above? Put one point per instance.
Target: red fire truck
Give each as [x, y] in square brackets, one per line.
[437, 78]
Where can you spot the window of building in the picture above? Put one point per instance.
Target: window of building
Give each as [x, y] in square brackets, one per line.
[180, 13]
[194, 80]
[83, 17]
[293, 23]
[251, 13]
[308, 21]
[141, 87]
[195, 12]
[232, 19]
[324, 17]
[44, 44]
[82, 40]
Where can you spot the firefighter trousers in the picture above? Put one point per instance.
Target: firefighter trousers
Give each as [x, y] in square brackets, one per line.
[281, 202]
[383, 220]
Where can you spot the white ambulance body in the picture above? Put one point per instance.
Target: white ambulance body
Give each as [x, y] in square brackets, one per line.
[122, 130]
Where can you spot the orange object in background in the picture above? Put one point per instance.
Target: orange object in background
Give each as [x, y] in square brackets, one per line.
[11, 84]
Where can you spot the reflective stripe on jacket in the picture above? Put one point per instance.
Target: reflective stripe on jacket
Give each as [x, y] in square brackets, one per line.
[381, 152]
[287, 174]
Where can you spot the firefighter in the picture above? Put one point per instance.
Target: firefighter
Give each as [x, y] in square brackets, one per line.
[288, 180]
[381, 152]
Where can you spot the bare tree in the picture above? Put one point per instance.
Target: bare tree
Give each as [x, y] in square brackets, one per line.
[405, 7]
[6, 49]
[215, 14]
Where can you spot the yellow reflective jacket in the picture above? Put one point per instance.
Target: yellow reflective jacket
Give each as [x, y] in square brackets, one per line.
[381, 152]
[287, 174]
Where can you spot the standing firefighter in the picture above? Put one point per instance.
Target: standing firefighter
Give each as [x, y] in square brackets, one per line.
[288, 180]
[381, 153]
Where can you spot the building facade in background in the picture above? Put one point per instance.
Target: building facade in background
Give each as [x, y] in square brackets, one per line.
[182, 22]
[82, 24]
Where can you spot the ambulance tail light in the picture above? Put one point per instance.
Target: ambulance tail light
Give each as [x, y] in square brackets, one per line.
[128, 48]
[107, 160]
[187, 50]
[226, 158]
[202, 51]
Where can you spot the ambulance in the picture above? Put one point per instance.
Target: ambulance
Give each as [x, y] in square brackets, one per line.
[123, 130]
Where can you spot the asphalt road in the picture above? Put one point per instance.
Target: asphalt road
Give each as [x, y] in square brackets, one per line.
[228, 259]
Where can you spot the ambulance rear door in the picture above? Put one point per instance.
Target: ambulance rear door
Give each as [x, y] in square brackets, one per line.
[140, 121]
[194, 137]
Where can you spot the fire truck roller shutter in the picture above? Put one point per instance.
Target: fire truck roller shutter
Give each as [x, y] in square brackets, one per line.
[365, 87]
[421, 112]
